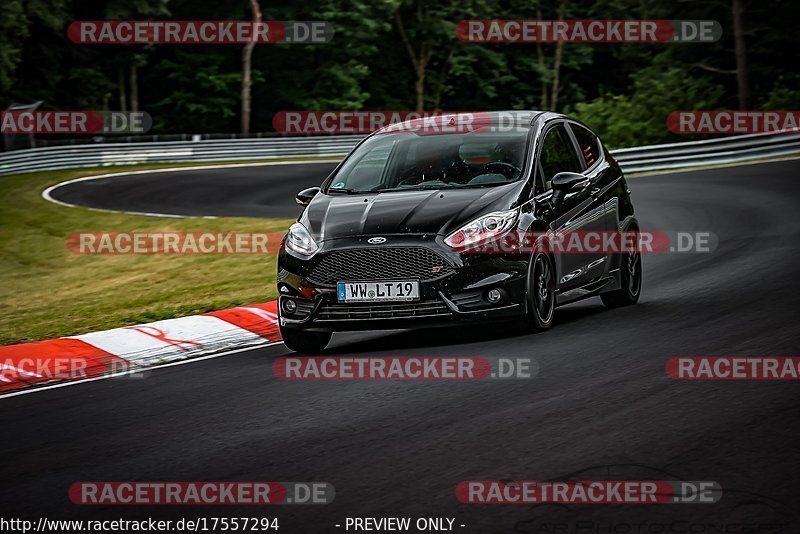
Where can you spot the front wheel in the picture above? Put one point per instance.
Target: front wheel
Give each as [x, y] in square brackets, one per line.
[541, 293]
[630, 277]
[305, 342]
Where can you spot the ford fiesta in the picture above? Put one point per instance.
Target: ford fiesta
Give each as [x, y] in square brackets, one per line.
[393, 237]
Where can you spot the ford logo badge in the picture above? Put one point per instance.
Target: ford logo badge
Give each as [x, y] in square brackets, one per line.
[376, 240]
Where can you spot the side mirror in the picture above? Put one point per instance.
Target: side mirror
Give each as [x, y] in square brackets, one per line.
[305, 196]
[565, 182]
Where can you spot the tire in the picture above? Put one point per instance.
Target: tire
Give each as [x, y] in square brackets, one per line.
[541, 293]
[630, 278]
[305, 342]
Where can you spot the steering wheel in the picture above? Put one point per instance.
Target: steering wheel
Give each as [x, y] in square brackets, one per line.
[506, 169]
[457, 169]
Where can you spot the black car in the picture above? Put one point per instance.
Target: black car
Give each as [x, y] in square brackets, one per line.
[383, 242]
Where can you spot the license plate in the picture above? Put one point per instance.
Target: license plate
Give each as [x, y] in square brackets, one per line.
[377, 291]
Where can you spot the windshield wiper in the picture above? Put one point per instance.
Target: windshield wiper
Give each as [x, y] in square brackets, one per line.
[487, 184]
[345, 190]
[418, 188]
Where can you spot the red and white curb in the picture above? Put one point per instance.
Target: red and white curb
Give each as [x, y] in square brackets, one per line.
[122, 350]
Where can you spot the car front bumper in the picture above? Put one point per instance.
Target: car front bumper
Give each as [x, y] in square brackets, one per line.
[453, 290]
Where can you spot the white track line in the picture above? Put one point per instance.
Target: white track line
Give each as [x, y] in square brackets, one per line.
[710, 167]
[134, 371]
[46, 194]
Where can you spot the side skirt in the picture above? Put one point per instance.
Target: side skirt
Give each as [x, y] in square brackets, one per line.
[591, 289]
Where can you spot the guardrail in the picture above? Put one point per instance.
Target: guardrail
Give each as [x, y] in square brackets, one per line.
[60, 157]
[708, 152]
[633, 160]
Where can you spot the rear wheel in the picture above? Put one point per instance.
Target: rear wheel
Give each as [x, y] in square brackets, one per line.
[305, 342]
[541, 292]
[630, 277]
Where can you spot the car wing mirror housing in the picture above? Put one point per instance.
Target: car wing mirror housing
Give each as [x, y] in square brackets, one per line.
[305, 196]
[566, 182]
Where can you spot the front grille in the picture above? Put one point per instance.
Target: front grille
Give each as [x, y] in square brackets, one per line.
[383, 310]
[379, 264]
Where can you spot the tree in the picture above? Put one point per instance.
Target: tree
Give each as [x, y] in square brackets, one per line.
[427, 32]
[201, 92]
[424, 38]
[343, 74]
[640, 116]
[17, 17]
[132, 58]
[557, 59]
[742, 68]
[247, 58]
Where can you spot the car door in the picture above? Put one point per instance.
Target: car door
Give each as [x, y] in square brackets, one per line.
[604, 181]
[579, 211]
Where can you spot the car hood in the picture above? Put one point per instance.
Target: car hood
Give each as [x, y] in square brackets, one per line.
[439, 211]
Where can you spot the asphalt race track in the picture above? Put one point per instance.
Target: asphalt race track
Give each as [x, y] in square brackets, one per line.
[601, 405]
[257, 191]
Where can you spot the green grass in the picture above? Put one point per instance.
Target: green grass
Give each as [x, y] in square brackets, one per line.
[46, 291]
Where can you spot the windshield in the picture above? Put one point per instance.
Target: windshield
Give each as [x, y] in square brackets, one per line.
[407, 161]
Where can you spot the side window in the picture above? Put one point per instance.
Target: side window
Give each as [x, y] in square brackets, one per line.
[373, 163]
[588, 144]
[558, 154]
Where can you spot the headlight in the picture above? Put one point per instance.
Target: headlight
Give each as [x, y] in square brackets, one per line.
[483, 228]
[298, 240]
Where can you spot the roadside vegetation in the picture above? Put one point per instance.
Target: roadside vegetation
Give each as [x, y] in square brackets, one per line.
[404, 55]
